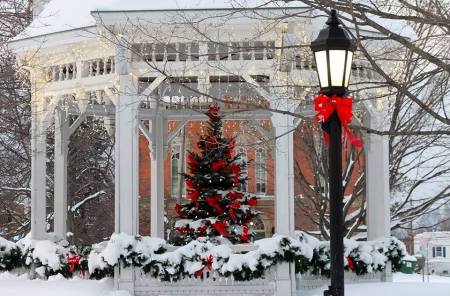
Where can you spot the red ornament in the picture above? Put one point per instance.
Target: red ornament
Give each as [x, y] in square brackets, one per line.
[218, 165]
[325, 107]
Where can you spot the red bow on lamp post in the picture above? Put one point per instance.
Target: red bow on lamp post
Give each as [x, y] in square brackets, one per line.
[325, 107]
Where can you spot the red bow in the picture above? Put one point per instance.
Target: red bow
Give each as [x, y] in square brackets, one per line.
[191, 160]
[216, 166]
[350, 263]
[252, 202]
[213, 201]
[235, 195]
[220, 227]
[73, 261]
[232, 206]
[193, 195]
[206, 264]
[325, 107]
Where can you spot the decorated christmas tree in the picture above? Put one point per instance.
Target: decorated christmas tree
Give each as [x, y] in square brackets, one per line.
[215, 207]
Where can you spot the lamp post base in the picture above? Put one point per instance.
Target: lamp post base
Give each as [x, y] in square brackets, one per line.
[333, 292]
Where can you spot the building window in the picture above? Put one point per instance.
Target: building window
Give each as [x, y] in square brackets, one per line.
[175, 169]
[260, 170]
[258, 229]
[439, 252]
[243, 153]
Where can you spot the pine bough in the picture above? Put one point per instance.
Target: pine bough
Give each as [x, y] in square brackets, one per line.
[151, 254]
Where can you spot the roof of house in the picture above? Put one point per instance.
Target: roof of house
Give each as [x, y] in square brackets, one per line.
[63, 15]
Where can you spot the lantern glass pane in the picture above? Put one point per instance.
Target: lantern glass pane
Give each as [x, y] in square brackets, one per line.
[322, 67]
[337, 67]
[348, 68]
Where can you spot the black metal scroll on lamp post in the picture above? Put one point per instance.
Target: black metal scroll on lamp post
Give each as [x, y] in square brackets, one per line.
[333, 51]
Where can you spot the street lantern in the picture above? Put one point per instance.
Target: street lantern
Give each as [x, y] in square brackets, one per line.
[333, 51]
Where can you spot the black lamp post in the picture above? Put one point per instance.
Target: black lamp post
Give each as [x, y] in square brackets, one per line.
[333, 51]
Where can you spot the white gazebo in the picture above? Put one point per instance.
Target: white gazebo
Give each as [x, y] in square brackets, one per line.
[121, 61]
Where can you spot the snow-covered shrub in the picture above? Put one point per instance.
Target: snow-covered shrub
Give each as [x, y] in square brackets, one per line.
[10, 255]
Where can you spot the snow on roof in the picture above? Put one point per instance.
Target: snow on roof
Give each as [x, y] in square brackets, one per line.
[63, 15]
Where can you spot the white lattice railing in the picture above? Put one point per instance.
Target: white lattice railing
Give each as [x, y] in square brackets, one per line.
[210, 283]
[98, 67]
[62, 72]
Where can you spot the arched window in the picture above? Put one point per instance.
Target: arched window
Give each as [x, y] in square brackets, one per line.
[243, 153]
[257, 227]
[175, 169]
[260, 170]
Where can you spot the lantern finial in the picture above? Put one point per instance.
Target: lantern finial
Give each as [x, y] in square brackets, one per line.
[333, 19]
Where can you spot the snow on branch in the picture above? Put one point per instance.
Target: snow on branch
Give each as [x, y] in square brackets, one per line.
[85, 200]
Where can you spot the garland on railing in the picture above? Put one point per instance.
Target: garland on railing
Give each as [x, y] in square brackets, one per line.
[192, 260]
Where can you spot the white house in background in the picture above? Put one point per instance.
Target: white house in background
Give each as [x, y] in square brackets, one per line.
[435, 246]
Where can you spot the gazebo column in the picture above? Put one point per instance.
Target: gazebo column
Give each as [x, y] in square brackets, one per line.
[377, 184]
[126, 152]
[60, 172]
[159, 134]
[284, 195]
[377, 181]
[38, 172]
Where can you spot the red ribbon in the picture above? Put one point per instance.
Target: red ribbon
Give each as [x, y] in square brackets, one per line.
[206, 264]
[233, 206]
[213, 201]
[235, 195]
[325, 107]
[244, 236]
[73, 261]
[350, 263]
[252, 202]
[221, 228]
[216, 166]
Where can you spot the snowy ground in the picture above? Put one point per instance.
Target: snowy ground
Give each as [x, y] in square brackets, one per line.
[12, 285]
[404, 284]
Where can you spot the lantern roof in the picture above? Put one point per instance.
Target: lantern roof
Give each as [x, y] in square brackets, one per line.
[333, 36]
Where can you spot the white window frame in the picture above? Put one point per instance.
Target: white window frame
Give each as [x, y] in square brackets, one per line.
[244, 159]
[260, 171]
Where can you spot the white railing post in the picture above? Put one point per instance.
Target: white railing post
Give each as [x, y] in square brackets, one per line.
[38, 169]
[60, 171]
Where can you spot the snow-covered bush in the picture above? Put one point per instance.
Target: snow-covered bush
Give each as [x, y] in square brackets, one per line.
[10, 255]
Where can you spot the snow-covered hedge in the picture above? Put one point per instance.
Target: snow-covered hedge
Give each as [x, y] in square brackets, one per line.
[153, 256]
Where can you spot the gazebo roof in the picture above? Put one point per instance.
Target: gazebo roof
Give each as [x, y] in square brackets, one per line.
[63, 15]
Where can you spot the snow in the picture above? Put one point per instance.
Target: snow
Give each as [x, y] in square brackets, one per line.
[63, 15]
[403, 284]
[13, 285]
[82, 202]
